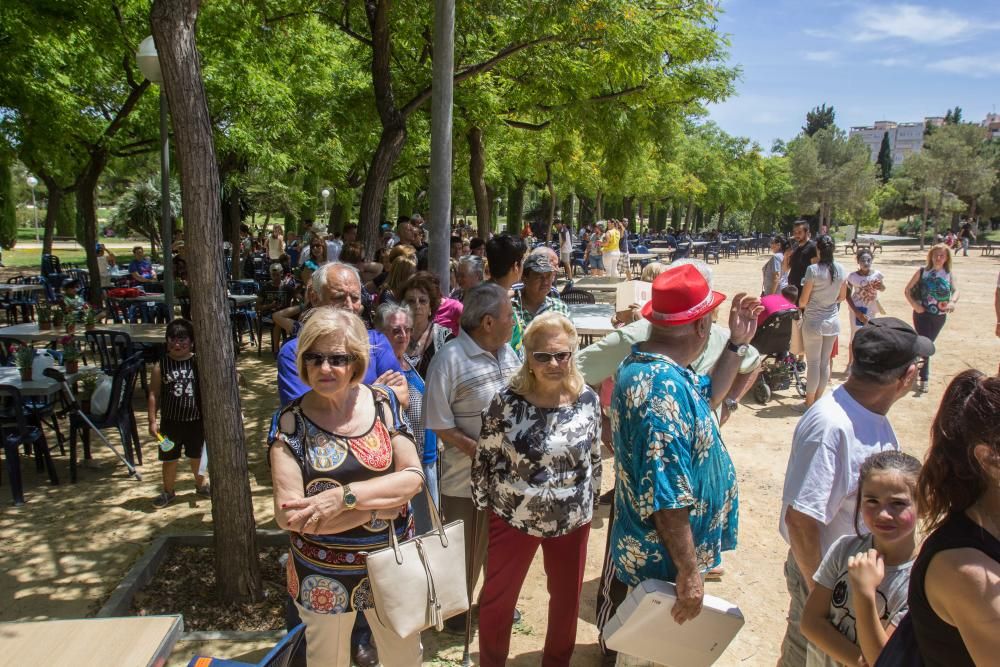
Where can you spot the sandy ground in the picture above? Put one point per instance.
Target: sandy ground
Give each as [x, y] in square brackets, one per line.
[66, 549]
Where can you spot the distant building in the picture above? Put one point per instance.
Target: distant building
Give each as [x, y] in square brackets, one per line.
[992, 125]
[905, 139]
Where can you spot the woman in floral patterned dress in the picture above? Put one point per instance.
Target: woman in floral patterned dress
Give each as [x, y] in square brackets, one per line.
[537, 471]
[343, 463]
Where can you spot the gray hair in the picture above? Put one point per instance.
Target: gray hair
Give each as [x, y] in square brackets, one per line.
[319, 276]
[387, 310]
[482, 300]
[472, 264]
[704, 269]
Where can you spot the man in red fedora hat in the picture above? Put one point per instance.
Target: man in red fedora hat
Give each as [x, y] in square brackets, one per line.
[679, 508]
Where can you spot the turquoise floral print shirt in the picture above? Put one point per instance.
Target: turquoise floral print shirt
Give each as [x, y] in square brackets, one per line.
[668, 455]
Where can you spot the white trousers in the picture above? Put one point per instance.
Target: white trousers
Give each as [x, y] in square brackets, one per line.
[611, 262]
[328, 640]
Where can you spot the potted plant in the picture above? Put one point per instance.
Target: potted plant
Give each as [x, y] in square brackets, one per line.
[71, 354]
[44, 316]
[57, 317]
[88, 383]
[24, 356]
[89, 318]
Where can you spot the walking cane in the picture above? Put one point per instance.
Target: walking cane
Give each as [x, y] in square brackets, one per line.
[466, 657]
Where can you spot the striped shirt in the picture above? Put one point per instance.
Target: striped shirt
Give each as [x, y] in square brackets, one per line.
[178, 390]
[461, 382]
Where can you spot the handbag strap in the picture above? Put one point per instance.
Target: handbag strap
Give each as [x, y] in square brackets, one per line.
[438, 526]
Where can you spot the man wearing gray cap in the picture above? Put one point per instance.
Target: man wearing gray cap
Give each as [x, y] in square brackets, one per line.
[831, 441]
[533, 298]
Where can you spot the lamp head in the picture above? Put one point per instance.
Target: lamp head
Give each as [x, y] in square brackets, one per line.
[148, 60]
[32, 181]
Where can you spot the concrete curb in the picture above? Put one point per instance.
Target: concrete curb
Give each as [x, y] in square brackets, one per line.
[145, 568]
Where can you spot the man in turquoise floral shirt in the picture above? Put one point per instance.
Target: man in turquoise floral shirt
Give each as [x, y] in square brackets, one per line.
[676, 499]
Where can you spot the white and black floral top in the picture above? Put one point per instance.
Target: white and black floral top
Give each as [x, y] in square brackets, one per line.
[539, 469]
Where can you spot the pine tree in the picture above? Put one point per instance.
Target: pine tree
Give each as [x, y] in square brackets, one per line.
[885, 159]
[820, 117]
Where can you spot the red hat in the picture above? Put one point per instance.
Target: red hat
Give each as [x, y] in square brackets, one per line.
[680, 295]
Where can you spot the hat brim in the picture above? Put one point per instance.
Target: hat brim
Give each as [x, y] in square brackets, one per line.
[688, 317]
[924, 347]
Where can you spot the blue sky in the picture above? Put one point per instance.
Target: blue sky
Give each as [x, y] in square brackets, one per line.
[871, 60]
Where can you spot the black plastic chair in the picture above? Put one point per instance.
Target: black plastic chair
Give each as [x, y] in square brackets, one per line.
[712, 250]
[266, 320]
[16, 432]
[110, 348]
[577, 296]
[118, 415]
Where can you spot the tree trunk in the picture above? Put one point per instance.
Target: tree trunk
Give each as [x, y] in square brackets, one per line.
[722, 217]
[236, 567]
[51, 212]
[336, 223]
[233, 218]
[551, 216]
[389, 148]
[86, 207]
[515, 208]
[689, 215]
[599, 206]
[477, 177]
[628, 209]
[923, 223]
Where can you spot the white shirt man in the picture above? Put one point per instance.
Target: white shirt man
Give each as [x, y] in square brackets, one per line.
[831, 441]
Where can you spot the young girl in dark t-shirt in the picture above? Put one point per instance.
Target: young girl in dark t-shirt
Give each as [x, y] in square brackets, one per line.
[173, 389]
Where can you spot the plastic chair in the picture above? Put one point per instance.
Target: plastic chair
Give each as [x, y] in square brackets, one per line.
[281, 655]
[577, 296]
[265, 320]
[111, 348]
[15, 432]
[712, 250]
[118, 415]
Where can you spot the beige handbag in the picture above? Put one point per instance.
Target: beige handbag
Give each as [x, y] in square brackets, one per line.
[420, 582]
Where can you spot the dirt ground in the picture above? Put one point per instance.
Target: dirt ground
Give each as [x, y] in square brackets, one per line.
[68, 547]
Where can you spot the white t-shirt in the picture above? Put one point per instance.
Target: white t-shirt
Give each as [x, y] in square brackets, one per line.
[863, 290]
[831, 441]
[890, 598]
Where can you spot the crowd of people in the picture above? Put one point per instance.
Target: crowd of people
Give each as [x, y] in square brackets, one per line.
[481, 395]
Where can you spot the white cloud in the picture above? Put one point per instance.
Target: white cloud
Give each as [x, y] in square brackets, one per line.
[923, 25]
[893, 62]
[980, 67]
[821, 56]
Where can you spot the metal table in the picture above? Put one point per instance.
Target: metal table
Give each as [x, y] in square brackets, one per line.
[592, 320]
[8, 289]
[140, 333]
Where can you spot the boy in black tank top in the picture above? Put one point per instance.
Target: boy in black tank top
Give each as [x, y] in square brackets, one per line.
[173, 388]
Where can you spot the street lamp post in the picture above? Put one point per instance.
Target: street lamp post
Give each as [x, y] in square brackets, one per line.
[326, 195]
[32, 182]
[496, 209]
[149, 64]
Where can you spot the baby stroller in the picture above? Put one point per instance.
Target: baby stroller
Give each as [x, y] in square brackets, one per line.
[778, 368]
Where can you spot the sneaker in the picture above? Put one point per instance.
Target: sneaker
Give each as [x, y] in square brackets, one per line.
[922, 387]
[164, 499]
[205, 490]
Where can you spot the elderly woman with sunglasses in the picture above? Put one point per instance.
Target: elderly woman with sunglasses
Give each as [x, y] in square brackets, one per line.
[537, 472]
[343, 462]
[396, 322]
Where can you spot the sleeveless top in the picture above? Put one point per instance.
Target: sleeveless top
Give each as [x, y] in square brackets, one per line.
[936, 290]
[179, 389]
[327, 574]
[940, 643]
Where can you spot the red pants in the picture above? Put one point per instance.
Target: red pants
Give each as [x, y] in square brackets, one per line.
[508, 559]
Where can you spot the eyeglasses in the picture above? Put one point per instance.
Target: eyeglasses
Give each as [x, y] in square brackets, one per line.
[399, 331]
[316, 360]
[547, 357]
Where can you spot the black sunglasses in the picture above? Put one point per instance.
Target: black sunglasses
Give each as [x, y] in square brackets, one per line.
[315, 359]
[547, 357]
